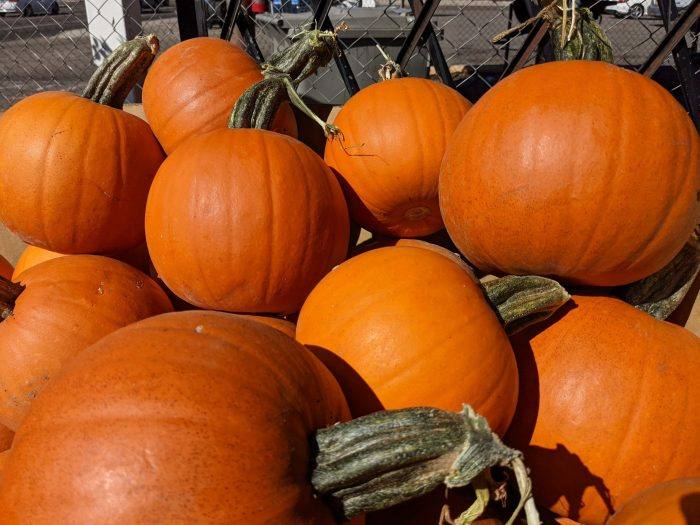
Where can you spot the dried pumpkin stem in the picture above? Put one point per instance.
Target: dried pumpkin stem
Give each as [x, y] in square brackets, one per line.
[9, 292]
[390, 69]
[380, 460]
[525, 300]
[661, 293]
[258, 105]
[121, 71]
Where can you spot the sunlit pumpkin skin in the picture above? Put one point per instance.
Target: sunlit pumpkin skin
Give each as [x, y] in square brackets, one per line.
[80, 184]
[3, 459]
[397, 325]
[68, 304]
[284, 326]
[207, 413]
[33, 255]
[263, 212]
[608, 403]
[675, 502]
[5, 268]
[192, 88]
[556, 172]
[394, 135]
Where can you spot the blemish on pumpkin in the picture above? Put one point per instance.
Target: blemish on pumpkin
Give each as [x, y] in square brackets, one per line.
[199, 329]
[139, 284]
[101, 289]
[417, 213]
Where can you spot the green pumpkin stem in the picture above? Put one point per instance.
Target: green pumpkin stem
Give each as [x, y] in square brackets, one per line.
[581, 38]
[121, 71]
[9, 292]
[282, 74]
[661, 293]
[524, 300]
[383, 459]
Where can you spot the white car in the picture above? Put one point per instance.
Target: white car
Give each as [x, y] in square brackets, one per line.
[633, 8]
[29, 7]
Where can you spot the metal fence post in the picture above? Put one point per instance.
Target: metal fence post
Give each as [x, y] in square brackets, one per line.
[191, 18]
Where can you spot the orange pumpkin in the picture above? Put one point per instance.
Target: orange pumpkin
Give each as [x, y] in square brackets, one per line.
[67, 304]
[675, 502]
[6, 436]
[284, 326]
[5, 268]
[193, 86]
[245, 220]
[208, 414]
[394, 135]
[74, 173]
[33, 255]
[396, 325]
[556, 172]
[608, 405]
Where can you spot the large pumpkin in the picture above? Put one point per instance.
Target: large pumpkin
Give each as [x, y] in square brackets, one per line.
[284, 326]
[67, 304]
[556, 171]
[394, 135]
[675, 502]
[193, 86]
[190, 417]
[245, 220]
[74, 173]
[609, 405]
[406, 326]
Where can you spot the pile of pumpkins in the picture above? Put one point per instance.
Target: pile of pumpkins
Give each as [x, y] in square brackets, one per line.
[193, 305]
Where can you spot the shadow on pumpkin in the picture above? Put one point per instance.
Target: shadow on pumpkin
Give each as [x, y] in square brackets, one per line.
[361, 398]
[690, 507]
[571, 476]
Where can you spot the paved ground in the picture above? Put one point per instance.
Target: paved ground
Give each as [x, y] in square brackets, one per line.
[53, 52]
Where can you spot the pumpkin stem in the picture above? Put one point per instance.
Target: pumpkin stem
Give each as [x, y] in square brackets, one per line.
[121, 70]
[661, 293]
[282, 74]
[9, 292]
[382, 459]
[390, 69]
[524, 300]
[584, 39]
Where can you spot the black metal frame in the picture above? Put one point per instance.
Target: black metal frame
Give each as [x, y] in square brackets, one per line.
[239, 17]
[191, 18]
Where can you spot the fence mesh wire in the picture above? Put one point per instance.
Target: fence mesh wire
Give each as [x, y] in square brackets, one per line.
[50, 44]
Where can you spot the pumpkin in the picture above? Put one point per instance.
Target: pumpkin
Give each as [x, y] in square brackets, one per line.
[284, 326]
[396, 325]
[675, 502]
[3, 459]
[608, 406]
[556, 172]
[80, 184]
[61, 307]
[192, 87]
[6, 436]
[5, 268]
[245, 220]
[207, 413]
[33, 255]
[394, 135]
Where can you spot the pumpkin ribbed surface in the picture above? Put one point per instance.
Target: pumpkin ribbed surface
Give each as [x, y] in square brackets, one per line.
[245, 220]
[284, 326]
[608, 406]
[192, 88]
[406, 326]
[557, 171]
[68, 304]
[30, 257]
[80, 184]
[675, 502]
[190, 417]
[394, 135]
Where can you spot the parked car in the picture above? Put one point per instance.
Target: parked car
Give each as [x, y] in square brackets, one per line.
[633, 8]
[680, 5]
[29, 7]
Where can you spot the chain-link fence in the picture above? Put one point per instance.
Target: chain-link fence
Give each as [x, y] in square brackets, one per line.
[50, 44]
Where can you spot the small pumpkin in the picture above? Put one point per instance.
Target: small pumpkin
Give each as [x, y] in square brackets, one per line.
[33, 255]
[263, 211]
[608, 406]
[284, 326]
[192, 87]
[60, 308]
[397, 324]
[556, 172]
[208, 413]
[394, 135]
[675, 502]
[80, 184]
